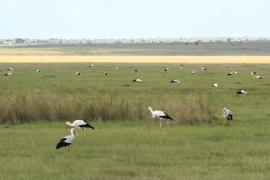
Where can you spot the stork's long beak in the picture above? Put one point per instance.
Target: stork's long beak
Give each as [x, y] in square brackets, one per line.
[91, 127]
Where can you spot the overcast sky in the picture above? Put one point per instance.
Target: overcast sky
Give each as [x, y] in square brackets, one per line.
[133, 18]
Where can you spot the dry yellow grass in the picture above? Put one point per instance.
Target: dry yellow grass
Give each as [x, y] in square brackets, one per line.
[136, 59]
[28, 51]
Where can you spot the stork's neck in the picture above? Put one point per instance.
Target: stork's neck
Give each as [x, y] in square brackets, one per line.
[151, 110]
[68, 123]
[72, 131]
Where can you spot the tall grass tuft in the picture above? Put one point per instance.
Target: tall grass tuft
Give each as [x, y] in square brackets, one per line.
[31, 107]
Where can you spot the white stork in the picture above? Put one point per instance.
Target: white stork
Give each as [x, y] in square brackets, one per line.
[137, 80]
[241, 92]
[193, 71]
[106, 73]
[166, 69]
[227, 114]
[10, 69]
[232, 73]
[181, 66]
[161, 115]
[203, 68]
[258, 77]
[37, 70]
[78, 73]
[79, 124]
[66, 141]
[253, 73]
[175, 81]
[215, 85]
[136, 70]
[8, 73]
[91, 65]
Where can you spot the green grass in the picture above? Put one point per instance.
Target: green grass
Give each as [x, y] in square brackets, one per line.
[134, 147]
[139, 150]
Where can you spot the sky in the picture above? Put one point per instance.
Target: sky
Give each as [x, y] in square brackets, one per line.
[73, 19]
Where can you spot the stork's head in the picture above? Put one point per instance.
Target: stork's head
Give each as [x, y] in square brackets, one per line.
[68, 124]
[150, 109]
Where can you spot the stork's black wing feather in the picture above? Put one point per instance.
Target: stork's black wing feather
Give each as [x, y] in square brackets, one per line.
[87, 125]
[167, 116]
[62, 143]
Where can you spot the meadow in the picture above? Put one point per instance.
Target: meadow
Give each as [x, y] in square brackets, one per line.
[127, 143]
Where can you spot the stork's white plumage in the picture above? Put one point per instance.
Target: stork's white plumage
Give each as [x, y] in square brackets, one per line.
[161, 115]
[253, 73]
[10, 69]
[79, 124]
[193, 71]
[66, 141]
[78, 73]
[91, 65]
[166, 69]
[37, 70]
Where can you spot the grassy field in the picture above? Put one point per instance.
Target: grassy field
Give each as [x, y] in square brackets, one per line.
[124, 145]
[137, 150]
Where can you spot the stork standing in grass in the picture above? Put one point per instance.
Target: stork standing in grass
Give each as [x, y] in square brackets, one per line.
[227, 114]
[215, 85]
[79, 124]
[137, 80]
[66, 141]
[175, 81]
[258, 77]
[241, 92]
[161, 115]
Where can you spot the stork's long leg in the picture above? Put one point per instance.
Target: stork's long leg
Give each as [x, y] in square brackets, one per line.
[160, 123]
[82, 132]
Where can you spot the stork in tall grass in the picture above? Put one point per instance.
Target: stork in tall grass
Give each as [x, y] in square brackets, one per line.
[161, 115]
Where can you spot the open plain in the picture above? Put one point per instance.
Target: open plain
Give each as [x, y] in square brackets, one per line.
[127, 142]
